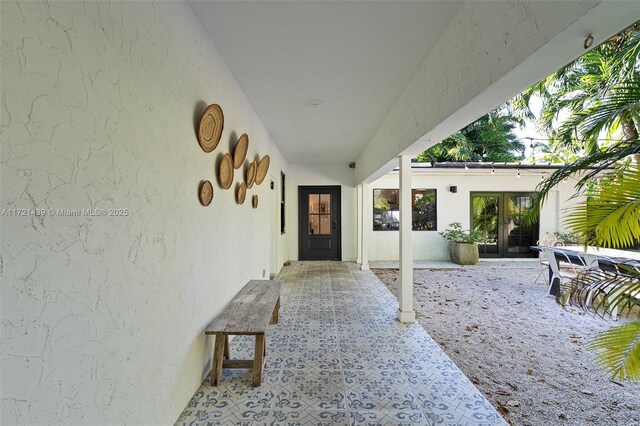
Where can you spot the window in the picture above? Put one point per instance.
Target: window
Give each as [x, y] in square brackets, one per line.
[282, 203]
[386, 210]
[319, 214]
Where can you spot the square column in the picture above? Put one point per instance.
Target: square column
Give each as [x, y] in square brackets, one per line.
[359, 224]
[405, 295]
[366, 219]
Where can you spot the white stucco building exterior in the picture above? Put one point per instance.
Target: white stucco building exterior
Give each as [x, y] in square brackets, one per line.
[455, 207]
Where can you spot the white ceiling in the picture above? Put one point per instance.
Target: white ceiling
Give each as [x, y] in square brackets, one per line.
[355, 56]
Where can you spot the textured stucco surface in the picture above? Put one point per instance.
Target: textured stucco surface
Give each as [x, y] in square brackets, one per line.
[491, 51]
[102, 317]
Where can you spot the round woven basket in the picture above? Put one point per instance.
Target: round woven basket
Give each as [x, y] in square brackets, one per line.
[205, 193]
[210, 128]
[240, 151]
[250, 176]
[225, 171]
[263, 168]
[241, 193]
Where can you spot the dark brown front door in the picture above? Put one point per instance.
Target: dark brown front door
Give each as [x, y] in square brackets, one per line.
[320, 228]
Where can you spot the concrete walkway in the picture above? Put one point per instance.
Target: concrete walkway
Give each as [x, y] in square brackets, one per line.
[338, 356]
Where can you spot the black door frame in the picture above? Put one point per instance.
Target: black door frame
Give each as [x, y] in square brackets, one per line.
[503, 237]
[302, 233]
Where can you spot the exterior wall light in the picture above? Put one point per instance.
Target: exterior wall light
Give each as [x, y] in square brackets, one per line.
[588, 42]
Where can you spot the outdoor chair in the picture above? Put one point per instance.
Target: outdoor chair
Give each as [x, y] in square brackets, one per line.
[559, 277]
[547, 241]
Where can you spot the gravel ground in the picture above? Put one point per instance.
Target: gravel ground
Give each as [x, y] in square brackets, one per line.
[524, 352]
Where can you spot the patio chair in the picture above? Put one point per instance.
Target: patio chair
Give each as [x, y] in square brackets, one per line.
[558, 276]
[547, 241]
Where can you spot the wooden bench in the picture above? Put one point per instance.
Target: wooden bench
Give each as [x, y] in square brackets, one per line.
[249, 313]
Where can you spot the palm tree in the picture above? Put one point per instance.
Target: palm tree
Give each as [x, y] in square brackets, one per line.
[599, 94]
[489, 138]
[596, 95]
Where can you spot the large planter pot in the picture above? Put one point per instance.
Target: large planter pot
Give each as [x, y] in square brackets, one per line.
[464, 253]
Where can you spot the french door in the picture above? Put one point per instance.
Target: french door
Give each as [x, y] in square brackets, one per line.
[499, 216]
[320, 224]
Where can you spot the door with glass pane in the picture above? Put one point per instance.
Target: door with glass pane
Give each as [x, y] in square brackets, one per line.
[499, 216]
[320, 227]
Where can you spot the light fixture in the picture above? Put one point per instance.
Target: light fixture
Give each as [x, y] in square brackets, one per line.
[314, 102]
[518, 175]
[352, 165]
[466, 167]
[493, 172]
[588, 42]
[541, 176]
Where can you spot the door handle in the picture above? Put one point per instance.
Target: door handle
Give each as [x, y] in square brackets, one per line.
[335, 224]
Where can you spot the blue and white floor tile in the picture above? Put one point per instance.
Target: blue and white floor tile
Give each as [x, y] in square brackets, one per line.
[339, 357]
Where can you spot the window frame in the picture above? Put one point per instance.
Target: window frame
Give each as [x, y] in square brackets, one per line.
[283, 227]
[413, 209]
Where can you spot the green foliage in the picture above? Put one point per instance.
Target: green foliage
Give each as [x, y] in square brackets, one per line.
[610, 215]
[599, 94]
[618, 349]
[489, 138]
[380, 202]
[455, 233]
[595, 96]
[569, 237]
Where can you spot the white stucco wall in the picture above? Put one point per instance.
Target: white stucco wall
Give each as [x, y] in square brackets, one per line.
[323, 175]
[429, 245]
[102, 317]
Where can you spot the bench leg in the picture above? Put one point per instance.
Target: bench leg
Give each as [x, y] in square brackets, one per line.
[226, 347]
[218, 355]
[258, 360]
[276, 313]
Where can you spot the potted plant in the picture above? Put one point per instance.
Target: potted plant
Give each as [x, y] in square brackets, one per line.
[463, 245]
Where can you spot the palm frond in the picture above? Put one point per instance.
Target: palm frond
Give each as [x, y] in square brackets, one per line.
[611, 213]
[587, 168]
[618, 350]
[604, 293]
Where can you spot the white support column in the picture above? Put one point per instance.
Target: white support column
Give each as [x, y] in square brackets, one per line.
[359, 224]
[405, 311]
[366, 220]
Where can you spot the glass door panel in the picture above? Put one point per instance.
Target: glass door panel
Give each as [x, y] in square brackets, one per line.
[319, 214]
[485, 210]
[520, 234]
[500, 218]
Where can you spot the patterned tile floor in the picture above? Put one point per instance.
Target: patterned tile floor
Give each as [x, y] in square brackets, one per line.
[338, 357]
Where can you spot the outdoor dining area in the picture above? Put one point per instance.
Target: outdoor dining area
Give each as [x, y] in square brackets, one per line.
[563, 263]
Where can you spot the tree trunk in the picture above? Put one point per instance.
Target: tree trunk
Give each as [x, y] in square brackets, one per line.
[630, 132]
